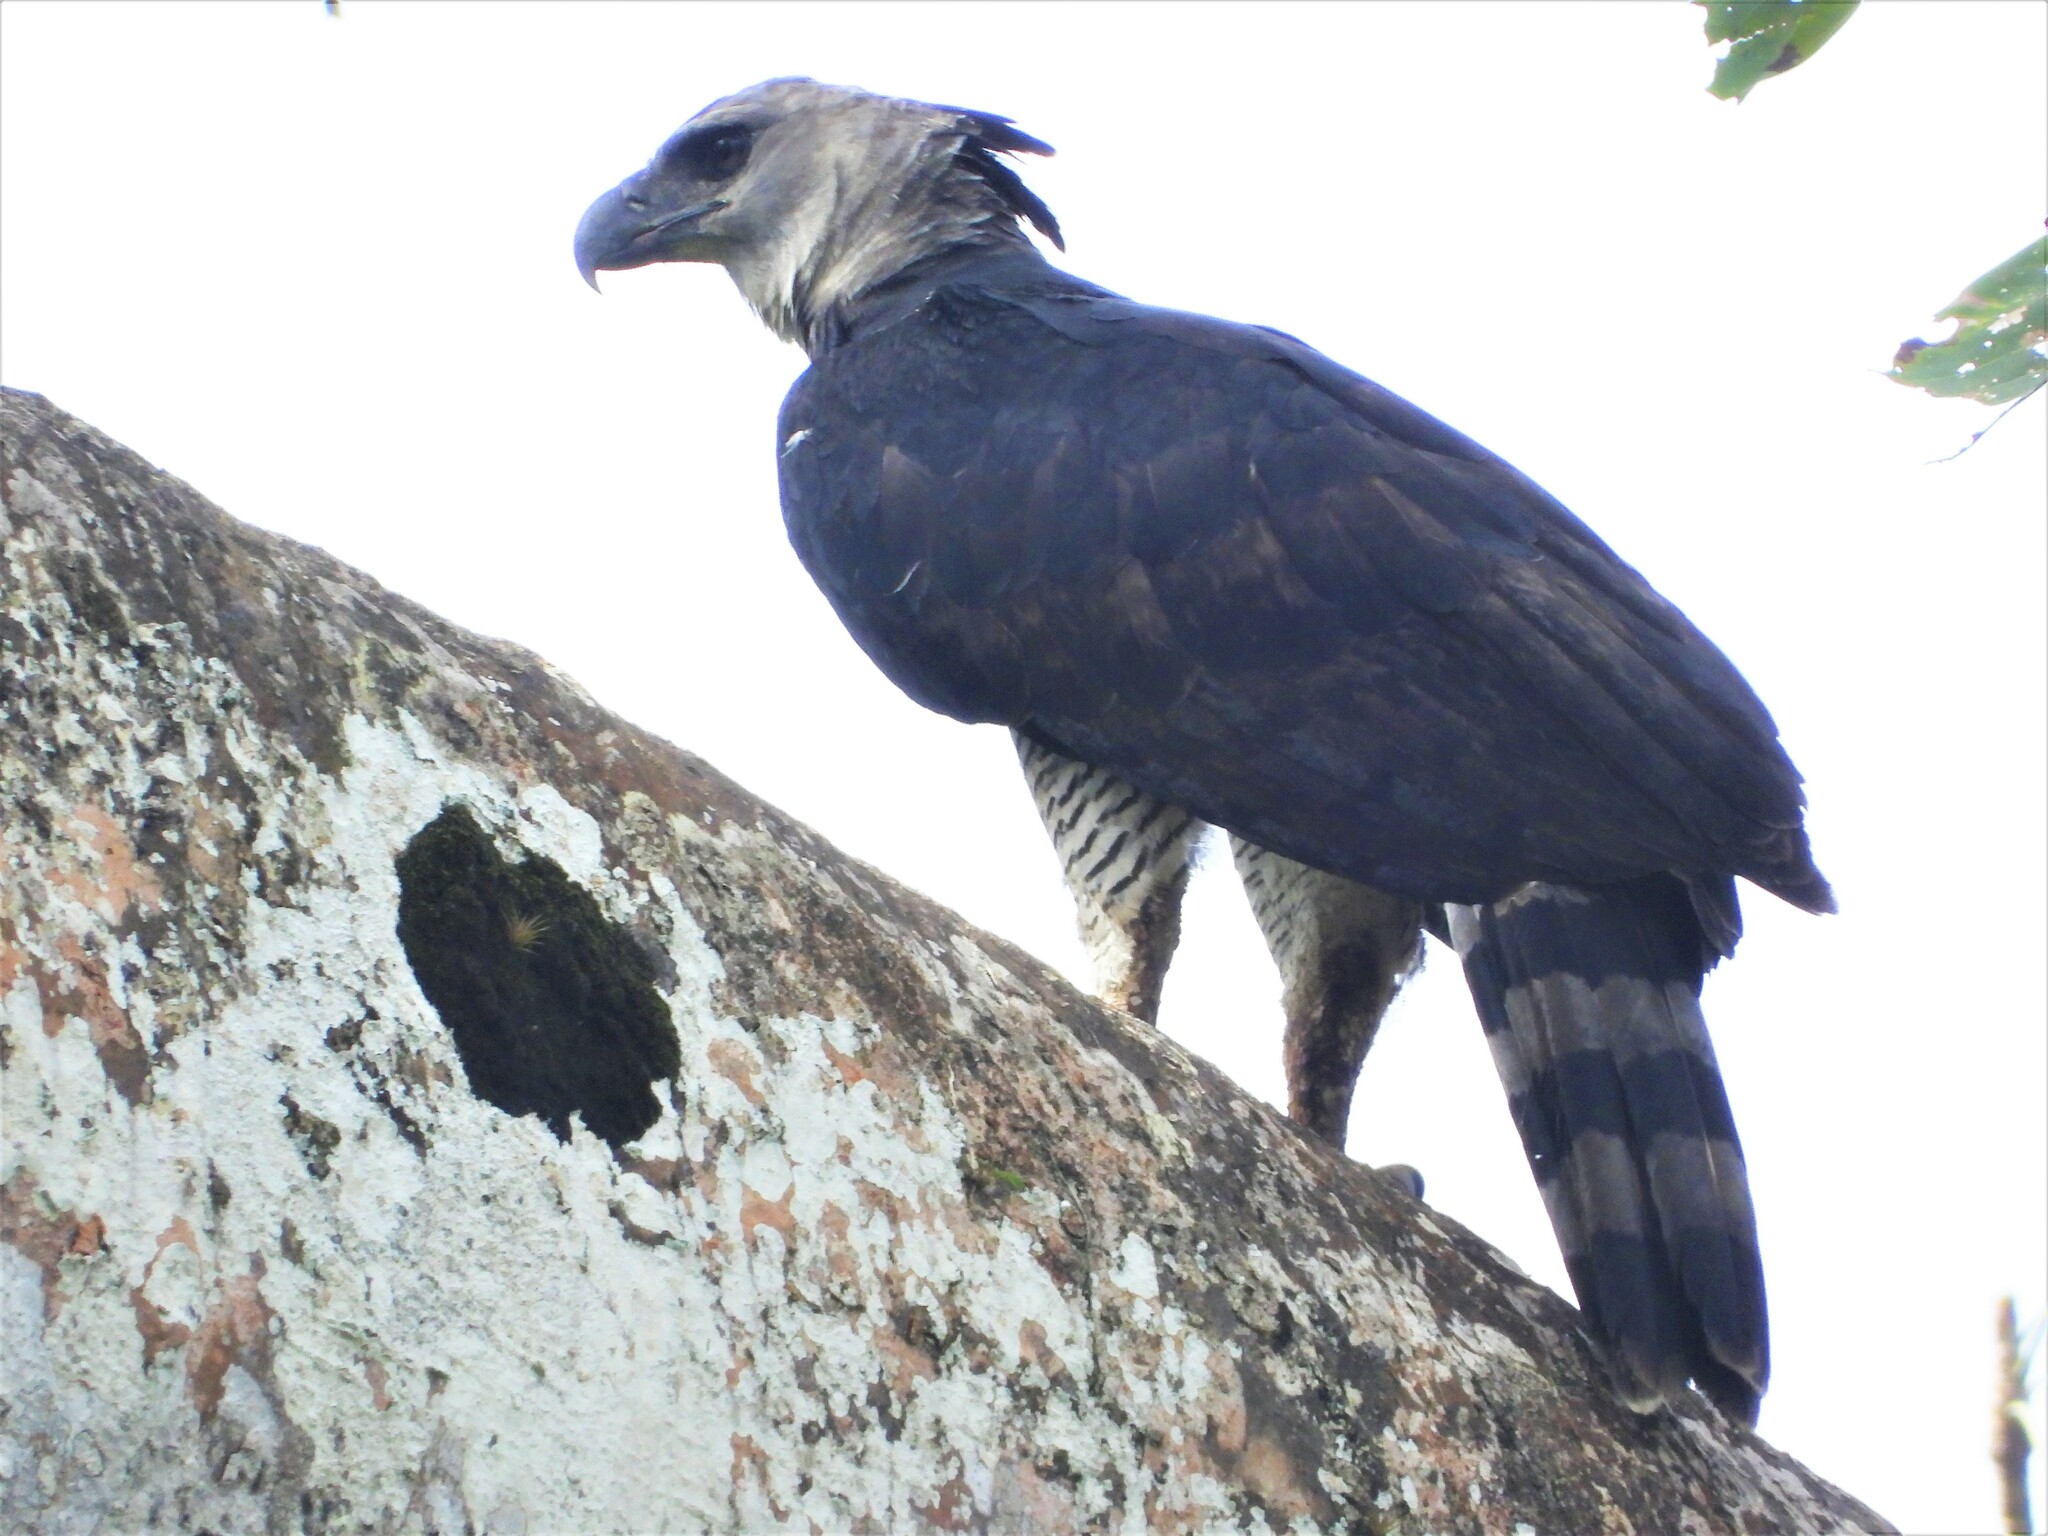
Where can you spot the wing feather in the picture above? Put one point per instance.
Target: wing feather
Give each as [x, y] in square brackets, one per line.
[1275, 594]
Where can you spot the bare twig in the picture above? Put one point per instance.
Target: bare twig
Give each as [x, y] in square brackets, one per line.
[1976, 436]
[2010, 1444]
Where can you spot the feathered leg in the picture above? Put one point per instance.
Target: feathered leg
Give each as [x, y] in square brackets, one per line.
[1590, 999]
[1343, 950]
[1126, 857]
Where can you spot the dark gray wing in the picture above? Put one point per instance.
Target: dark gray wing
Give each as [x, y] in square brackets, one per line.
[1265, 589]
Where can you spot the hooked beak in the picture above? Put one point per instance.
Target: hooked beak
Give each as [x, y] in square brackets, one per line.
[621, 230]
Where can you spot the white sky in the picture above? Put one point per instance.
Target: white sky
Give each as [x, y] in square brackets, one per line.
[321, 269]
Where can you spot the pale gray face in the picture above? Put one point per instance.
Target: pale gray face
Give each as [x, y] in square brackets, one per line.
[805, 193]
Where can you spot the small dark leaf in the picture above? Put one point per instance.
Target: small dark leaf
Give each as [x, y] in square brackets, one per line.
[1770, 37]
[1999, 351]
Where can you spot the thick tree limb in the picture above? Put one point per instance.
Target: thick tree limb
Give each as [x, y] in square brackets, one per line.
[726, 1185]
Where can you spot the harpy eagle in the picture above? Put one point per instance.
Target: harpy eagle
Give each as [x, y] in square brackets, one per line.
[1206, 575]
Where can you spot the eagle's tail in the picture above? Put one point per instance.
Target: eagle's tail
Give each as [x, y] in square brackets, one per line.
[1590, 998]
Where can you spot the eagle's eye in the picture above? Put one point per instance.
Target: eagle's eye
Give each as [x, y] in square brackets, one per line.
[718, 155]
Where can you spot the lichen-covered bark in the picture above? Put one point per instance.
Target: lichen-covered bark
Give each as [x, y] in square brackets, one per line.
[918, 1238]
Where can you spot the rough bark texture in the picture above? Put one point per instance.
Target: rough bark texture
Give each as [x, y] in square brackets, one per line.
[898, 1233]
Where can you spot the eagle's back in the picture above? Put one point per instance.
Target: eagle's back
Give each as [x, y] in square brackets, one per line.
[1267, 590]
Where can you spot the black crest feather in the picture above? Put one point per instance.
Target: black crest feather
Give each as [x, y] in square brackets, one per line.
[988, 136]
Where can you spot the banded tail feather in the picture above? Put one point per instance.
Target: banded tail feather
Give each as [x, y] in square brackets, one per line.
[1590, 1001]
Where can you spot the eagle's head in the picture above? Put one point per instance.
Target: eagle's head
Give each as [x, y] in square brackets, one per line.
[810, 195]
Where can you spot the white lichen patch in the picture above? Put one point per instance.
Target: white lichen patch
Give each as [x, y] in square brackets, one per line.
[530, 1303]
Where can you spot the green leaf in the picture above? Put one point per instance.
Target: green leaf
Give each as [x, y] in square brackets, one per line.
[1770, 37]
[2000, 349]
